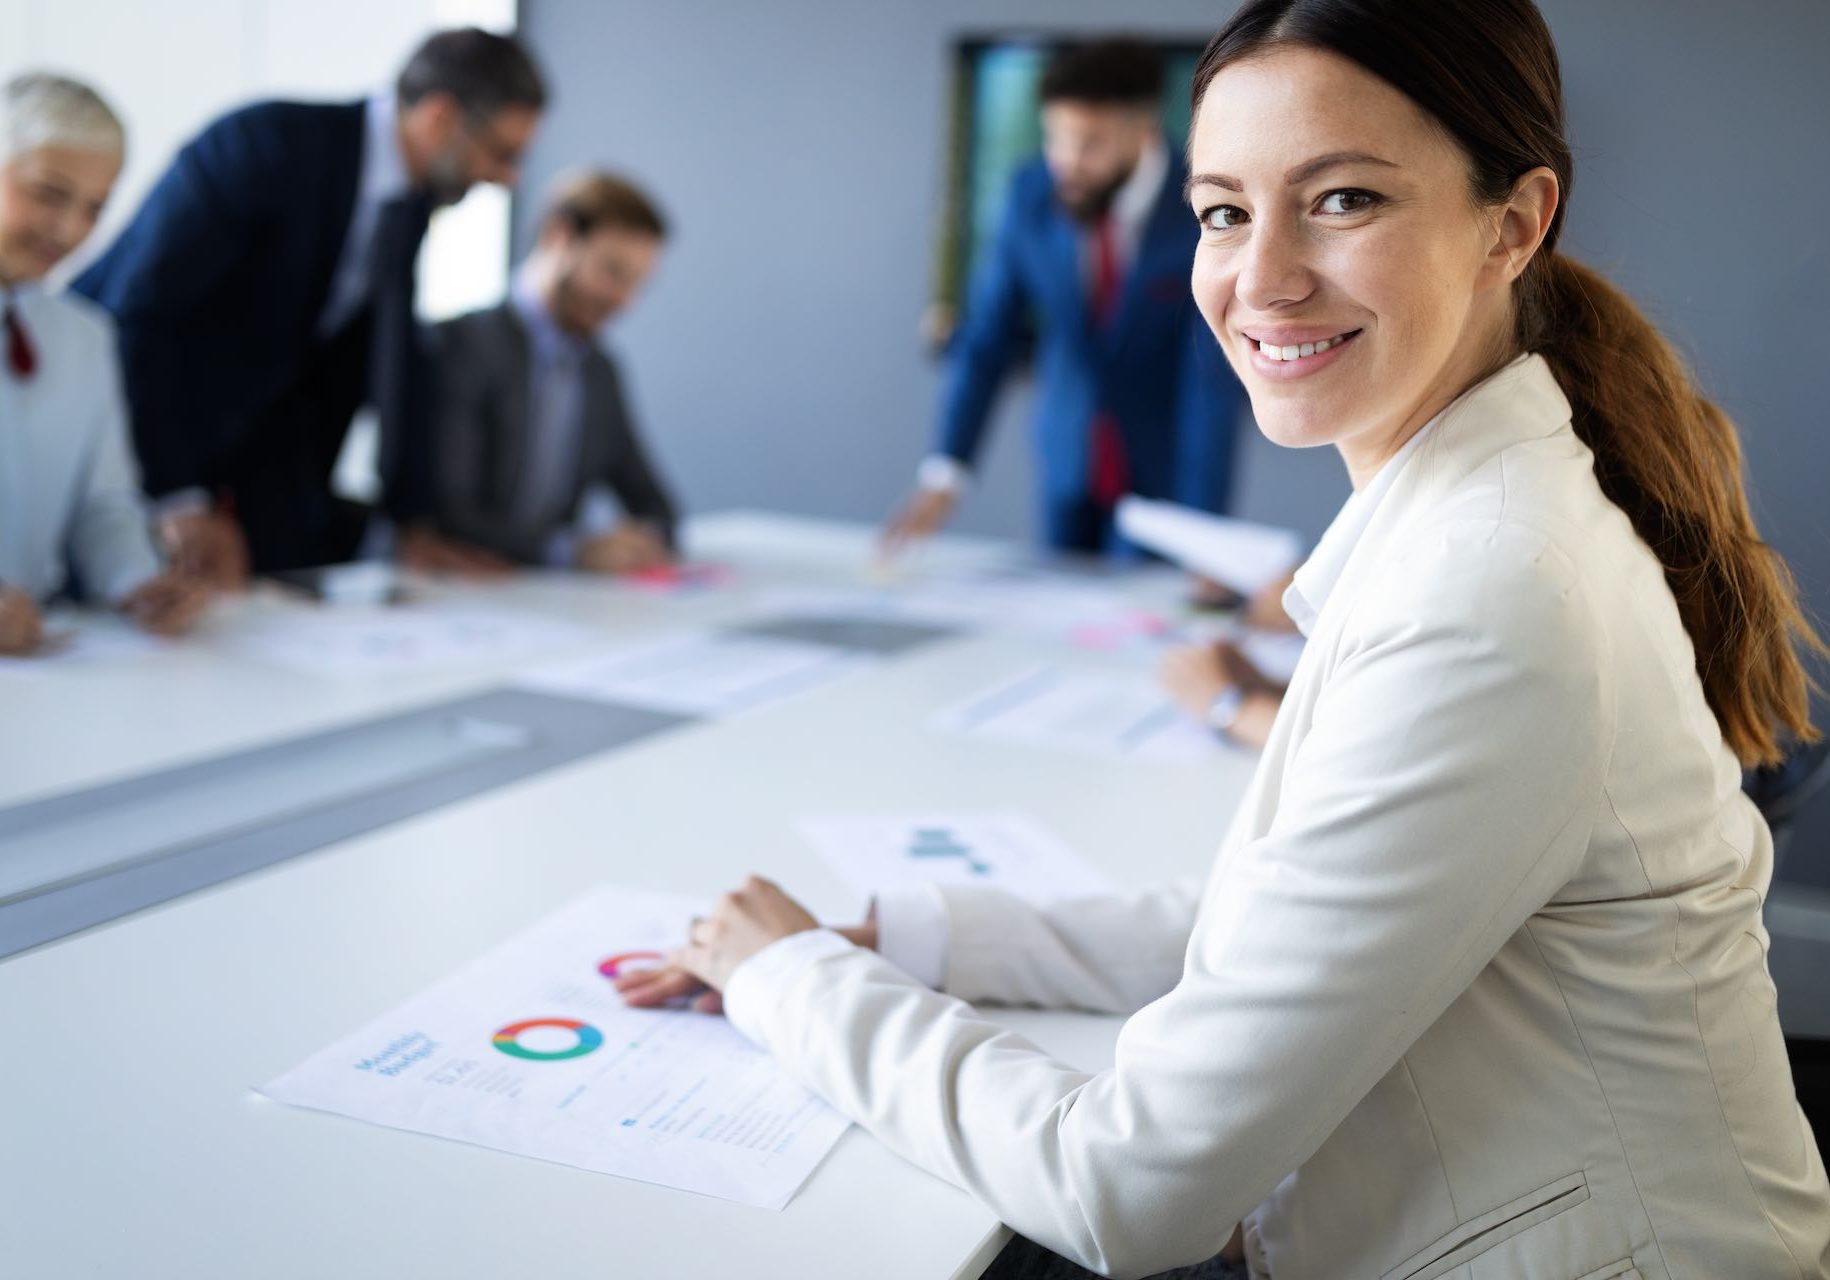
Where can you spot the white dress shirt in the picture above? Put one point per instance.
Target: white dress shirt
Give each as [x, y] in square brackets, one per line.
[1131, 209]
[383, 178]
[69, 491]
[1476, 987]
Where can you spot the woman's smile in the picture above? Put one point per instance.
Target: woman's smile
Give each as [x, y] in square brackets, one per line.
[1284, 355]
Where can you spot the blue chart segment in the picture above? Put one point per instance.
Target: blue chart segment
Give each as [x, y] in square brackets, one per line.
[939, 842]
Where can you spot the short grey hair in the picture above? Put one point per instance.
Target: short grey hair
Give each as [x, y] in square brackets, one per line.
[41, 109]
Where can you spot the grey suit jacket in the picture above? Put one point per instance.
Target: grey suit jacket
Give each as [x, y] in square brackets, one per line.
[480, 438]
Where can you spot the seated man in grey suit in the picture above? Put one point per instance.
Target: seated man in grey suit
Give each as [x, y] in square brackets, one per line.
[532, 443]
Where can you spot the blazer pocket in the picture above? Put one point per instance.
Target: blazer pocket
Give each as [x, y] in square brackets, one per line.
[1475, 1237]
[1622, 1270]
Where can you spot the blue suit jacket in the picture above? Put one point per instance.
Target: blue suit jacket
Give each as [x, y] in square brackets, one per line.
[1156, 367]
[218, 282]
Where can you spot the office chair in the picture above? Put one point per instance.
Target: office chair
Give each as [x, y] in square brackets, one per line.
[1781, 791]
[1798, 923]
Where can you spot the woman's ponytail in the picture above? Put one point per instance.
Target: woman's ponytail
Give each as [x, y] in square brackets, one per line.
[1670, 459]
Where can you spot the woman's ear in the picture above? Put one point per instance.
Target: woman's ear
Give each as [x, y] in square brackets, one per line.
[1521, 224]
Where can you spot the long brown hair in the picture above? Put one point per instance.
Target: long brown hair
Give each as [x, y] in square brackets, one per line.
[1486, 71]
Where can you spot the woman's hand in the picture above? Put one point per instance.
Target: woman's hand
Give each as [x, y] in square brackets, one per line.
[742, 923]
[1194, 676]
[21, 625]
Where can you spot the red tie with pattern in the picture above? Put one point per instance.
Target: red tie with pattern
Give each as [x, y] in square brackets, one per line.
[21, 356]
[1111, 476]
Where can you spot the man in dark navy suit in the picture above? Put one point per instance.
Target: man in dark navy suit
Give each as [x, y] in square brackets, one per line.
[264, 293]
[1094, 251]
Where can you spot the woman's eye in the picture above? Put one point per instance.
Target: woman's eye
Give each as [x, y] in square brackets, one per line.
[1343, 202]
[1222, 217]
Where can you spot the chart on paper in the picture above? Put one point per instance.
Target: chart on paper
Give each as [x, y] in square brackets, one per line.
[1001, 849]
[530, 1050]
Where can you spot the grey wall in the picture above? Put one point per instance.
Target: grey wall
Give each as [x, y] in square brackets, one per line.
[797, 145]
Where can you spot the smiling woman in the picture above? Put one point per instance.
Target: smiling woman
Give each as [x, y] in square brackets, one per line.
[70, 509]
[1415, 253]
[1477, 983]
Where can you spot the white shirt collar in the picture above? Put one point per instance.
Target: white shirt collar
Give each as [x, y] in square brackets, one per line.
[384, 166]
[1316, 580]
[1132, 205]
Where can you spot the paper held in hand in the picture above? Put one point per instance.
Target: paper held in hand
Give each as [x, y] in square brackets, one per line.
[1239, 554]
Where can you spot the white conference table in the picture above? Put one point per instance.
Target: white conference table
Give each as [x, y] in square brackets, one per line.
[131, 1141]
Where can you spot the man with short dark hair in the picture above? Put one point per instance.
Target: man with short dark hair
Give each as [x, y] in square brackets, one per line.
[264, 292]
[1095, 249]
[533, 444]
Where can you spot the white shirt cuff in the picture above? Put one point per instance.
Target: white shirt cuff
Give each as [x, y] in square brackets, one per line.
[912, 932]
[943, 473]
[755, 987]
[182, 502]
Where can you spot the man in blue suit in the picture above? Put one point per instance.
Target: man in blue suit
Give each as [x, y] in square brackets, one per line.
[264, 293]
[1094, 249]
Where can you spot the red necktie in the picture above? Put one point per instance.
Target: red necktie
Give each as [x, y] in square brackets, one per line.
[1111, 476]
[21, 356]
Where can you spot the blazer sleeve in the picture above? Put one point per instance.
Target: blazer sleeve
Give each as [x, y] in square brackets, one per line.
[1445, 791]
[108, 540]
[1208, 404]
[990, 335]
[192, 230]
[629, 471]
[1110, 953]
[465, 376]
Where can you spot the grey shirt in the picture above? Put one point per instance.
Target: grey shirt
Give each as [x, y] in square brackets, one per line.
[70, 501]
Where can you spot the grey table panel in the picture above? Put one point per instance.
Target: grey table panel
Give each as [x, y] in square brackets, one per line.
[884, 637]
[73, 861]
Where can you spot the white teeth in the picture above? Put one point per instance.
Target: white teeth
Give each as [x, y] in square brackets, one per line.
[1301, 350]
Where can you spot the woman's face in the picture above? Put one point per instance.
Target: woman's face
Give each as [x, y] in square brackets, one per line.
[1343, 265]
[50, 200]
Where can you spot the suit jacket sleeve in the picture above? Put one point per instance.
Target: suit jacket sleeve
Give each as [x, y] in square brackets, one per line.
[630, 472]
[108, 539]
[1208, 406]
[989, 337]
[1446, 790]
[192, 230]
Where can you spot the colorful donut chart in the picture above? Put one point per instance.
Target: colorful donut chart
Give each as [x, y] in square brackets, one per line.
[611, 967]
[508, 1039]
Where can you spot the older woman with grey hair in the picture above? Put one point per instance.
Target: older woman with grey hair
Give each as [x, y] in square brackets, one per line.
[72, 518]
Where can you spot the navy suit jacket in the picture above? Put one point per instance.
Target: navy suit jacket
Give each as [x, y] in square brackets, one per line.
[1156, 368]
[218, 282]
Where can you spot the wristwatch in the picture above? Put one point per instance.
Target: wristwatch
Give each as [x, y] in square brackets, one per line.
[1223, 711]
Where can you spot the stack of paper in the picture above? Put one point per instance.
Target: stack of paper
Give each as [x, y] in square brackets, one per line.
[1097, 712]
[700, 673]
[530, 1050]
